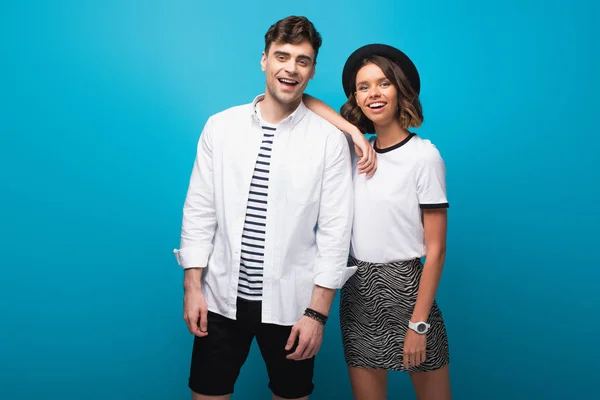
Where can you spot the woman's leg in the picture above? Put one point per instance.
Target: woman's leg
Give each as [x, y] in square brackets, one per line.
[432, 385]
[368, 383]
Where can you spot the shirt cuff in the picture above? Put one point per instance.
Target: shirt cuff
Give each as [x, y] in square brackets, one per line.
[193, 257]
[426, 206]
[334, 279]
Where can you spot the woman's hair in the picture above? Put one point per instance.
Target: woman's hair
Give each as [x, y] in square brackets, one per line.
[293, 30]
[409, 113]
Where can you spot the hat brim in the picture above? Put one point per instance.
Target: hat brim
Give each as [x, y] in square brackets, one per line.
[383, 50]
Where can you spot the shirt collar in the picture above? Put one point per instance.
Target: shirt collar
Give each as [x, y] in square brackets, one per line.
[291, 119]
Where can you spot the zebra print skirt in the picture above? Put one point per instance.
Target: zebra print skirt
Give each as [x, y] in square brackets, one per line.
[376, 305]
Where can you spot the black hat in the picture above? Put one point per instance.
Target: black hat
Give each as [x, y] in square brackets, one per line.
[383, 50]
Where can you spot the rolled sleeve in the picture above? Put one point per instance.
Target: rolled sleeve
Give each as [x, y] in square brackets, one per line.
[333, 278]
[199, 216]
[334, 225]
[192, 257]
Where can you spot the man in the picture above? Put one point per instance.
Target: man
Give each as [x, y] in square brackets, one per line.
[266, 227]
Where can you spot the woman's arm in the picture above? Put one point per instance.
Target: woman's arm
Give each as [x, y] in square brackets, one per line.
[435, 225]
[368, 157]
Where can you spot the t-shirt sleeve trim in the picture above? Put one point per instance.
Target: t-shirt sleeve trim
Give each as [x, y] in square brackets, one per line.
[437, 205]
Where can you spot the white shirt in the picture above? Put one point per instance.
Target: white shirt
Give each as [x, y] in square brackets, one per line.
[309, 212]
[388, 224]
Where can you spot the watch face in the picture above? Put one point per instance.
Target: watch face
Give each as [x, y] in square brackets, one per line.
[421, 327]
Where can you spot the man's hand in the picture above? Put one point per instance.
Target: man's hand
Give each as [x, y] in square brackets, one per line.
[368, 158]
[195, 312]
[310, 336]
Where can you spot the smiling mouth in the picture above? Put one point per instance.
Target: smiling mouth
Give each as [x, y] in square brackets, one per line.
[287, 82]
[375, 106]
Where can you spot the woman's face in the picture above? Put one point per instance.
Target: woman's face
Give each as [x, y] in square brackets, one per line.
[375, 95]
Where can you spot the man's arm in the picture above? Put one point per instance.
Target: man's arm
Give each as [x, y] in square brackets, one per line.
[199, 217]
[336, 211]
[368, 158]
[197, 231]
[334, 226]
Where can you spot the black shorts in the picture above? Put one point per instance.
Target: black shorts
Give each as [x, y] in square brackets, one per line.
[218, 357]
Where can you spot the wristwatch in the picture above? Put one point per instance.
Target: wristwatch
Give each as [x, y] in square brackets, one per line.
[420, 327]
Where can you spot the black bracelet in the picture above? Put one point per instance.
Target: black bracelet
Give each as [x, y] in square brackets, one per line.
[317, 316]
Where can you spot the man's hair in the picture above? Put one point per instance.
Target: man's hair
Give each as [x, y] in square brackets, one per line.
[293, 30]
[409, 112]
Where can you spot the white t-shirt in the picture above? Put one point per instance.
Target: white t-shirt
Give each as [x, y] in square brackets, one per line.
[388, 224]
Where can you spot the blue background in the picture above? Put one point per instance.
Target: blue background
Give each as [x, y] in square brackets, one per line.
[101, 106]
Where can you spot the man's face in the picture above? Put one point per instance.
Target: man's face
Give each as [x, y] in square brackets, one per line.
[288, 68]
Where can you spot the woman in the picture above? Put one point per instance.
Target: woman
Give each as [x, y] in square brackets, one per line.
[388, 313]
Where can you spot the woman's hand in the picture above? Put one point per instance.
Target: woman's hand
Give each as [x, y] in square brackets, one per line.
[415, 346]
[368, 158]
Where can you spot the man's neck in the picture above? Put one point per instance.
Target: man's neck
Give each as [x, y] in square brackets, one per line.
[273, 111]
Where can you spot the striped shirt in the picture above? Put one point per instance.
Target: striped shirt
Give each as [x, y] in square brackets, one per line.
[255, 223]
